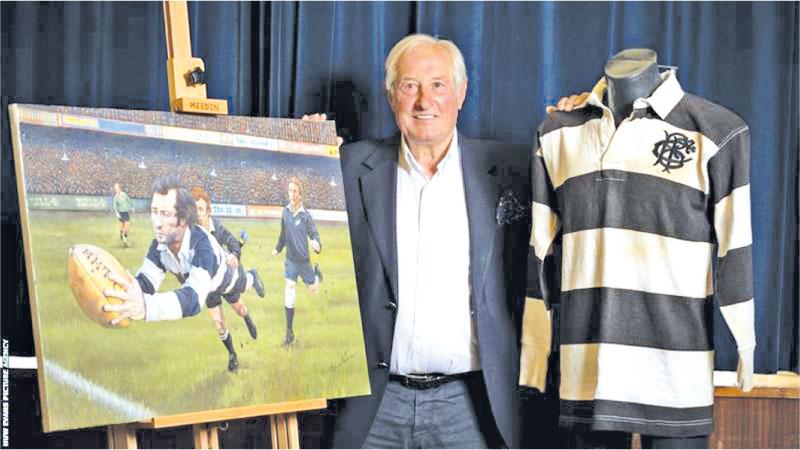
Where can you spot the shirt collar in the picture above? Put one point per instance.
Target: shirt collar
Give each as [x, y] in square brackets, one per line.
[408, 163]
[665, 97]
[663, 100]
[299, 210]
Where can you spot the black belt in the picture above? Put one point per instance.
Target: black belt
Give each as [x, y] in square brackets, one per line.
[431, 380]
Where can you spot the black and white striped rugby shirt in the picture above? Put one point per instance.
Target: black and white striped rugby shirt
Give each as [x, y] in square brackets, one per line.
[200, 266]
[653, 219]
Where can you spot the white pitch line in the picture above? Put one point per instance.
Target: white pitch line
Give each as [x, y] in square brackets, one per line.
[128, 409]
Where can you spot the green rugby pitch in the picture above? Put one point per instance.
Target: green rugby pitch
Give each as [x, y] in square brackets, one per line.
[181, 366]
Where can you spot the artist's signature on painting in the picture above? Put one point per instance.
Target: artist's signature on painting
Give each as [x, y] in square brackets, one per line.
[346, 356]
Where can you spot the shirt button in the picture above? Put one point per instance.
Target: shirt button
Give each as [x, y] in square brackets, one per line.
[392, 305]
[382, 365]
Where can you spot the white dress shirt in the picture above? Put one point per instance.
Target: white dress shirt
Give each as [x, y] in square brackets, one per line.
[434, 331]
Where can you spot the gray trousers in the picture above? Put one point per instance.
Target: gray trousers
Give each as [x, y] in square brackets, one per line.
[440, 417]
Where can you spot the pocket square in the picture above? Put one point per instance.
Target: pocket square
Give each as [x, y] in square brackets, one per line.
[509, 208]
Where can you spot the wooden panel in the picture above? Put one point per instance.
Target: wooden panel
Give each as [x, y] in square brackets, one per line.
[788, 393]
[206, 435]
[176, 27]
[293, 431]
[213, 437]
[13, 116]
[284, 431]
[783, 384]
[279, 436]
[177, 69]
[222, 415]
[200, 105]
[273, 431]
[756, 423]
[121, 436]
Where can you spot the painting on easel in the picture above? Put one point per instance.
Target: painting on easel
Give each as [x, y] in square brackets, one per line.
[182, 263]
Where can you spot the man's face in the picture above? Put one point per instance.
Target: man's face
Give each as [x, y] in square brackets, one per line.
[294, 194]
[426, 100]
[167, 227]
[117, 188]
[203, 213]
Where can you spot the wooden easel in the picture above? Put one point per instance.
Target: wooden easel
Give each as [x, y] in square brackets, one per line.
[190, 97]
[284, 432]
[185, 96]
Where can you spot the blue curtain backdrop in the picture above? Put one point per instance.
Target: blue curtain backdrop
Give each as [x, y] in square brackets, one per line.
[286, 59]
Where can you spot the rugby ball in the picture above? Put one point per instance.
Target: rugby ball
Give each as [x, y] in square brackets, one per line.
[89, 267]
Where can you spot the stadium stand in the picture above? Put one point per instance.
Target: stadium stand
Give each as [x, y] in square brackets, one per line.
[80, 162]
[270, 127]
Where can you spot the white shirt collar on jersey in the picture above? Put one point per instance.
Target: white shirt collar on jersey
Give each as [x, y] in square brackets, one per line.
[663, 100]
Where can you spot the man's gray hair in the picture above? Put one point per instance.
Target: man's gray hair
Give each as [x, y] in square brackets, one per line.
[414, 40]
[185, 206]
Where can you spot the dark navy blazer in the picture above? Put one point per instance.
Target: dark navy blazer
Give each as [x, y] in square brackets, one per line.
[498, 253]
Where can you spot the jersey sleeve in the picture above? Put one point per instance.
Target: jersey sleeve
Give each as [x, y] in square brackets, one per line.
[729, 174]
[187, 300]
[226, 239]
[536, 319]
[282, 238]
[311, 229]
[151, 274]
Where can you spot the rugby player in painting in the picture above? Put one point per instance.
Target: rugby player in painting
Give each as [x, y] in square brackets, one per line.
[231, 244]
[191, 254]
[297, 228]
[123, 207]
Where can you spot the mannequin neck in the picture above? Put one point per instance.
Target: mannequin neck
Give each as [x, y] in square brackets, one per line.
[624, 90]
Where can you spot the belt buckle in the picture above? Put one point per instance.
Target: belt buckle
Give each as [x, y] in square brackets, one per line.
[426, 381]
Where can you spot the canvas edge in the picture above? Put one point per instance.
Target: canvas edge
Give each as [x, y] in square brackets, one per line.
[14, 122]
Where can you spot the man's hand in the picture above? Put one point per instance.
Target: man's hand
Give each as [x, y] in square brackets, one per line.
[315, 245]
[569, 103]
[132, 306]
[232, 261]
[275, 253]
[321, 117]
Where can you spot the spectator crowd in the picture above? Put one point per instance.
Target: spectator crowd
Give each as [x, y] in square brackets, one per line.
[80, 162]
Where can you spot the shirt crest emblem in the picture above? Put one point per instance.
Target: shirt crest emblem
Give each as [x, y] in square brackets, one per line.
[673, 152]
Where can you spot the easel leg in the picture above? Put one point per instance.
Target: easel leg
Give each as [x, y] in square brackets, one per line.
[206, 435]
[293, 430]
[121, 436]
[284, 431]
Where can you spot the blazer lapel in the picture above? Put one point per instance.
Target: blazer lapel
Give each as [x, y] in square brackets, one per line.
[378, 194]
[482, 191]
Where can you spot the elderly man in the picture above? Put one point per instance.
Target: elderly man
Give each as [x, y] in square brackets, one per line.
[439, 232]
